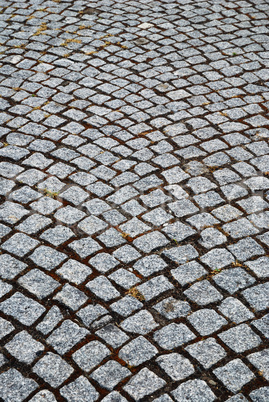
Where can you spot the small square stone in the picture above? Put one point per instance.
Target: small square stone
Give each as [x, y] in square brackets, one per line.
[20, 244]
[114, 397]
[240, 338]
[150, 242]
[53, 369]
[226, 213]
[124, 278]
[172, 308]
[34, 224]
[44, 395]
[74, 271]
[235, 310]
[126, 254]
[85, 247]
[173, 335]
[69, 215]
[245, 249]
[90, 355]
[181, 254]
[217, 258]
[137, 351]
[233, 279]
[14, 266]
[47, 257]
[189, 272]
[5, 328]
[103, 262]
[51, 319]
[139, 323]
[234, 375]
[182, 207]
[103, 288]
[57, 235]
[145, 382]
[261, 361]
[112, 335]
[134, 227]
[126, 306]
[206, 321]
[81, 390]
[260, 267]
[24, 348]
[203, 293]
[194, 391]
[257, 296]
[23, 309]
[38, 283]
[92, 224]
[111, 238]
[207, 352]
[176, 366]
[110, 374]
[45, 205]
[66, 336]
[149, 265]
[15, 387]
[154, 287]
[260, 394]
[178, 231]
[90, 313]
[75, 195]
[262, 325]
[71, 297]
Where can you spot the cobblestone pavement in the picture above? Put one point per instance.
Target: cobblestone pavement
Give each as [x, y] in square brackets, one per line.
[134, 200]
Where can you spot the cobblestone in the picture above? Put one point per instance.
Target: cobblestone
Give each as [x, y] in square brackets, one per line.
[134, 200]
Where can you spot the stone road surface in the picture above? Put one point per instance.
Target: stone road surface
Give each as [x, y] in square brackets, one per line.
[134, 215]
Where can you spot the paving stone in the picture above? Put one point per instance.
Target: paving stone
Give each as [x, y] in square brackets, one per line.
[126, 306]
[257, 296]
[193, 390]
[16, 387]
[24, 348]
[80, 389]
[53, 369]
[235, 310]
[71, 297]
[140, 323]
[203, 293]
[260, 360]
[181, 254]
[206, 321]
[240, 338]
[110, 374]
[66, 336]
[50, 320]
[22, 308]
[173, 335]
[85, 247]
[103, 262]
[74, 271]
[234, 375]
[237, 398]
[20, 244]
[149, 264]
[145, 382]
[155, 287]
[47, 257]
[208, 352]
[137, 351]
[260, 394]
[233, 279]
[114, 396]
[90, 355]
[103, 288]
[262, 325]
[217, 258]
[150, 242]
[38, 283]
[112, 335]
[6, 328]
[42, 396]
[172, 308]
[176, 366]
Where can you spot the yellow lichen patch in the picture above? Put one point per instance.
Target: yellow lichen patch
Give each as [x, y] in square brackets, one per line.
[134, 292]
